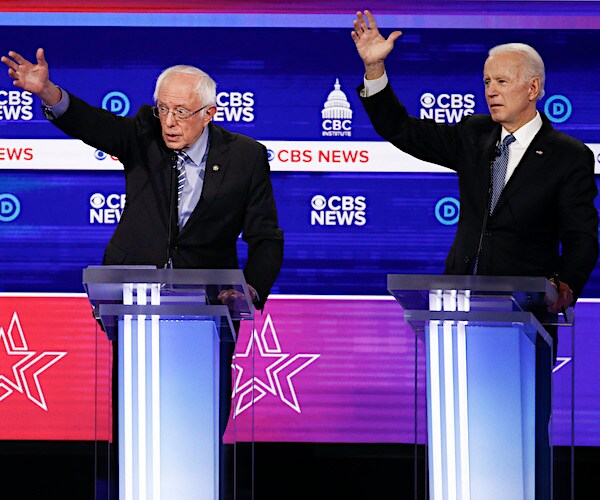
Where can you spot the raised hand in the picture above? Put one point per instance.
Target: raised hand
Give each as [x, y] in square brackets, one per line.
[372, 47]
[34, 78]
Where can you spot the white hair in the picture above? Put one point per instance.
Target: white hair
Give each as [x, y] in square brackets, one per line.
[534, 65]
[206, 87]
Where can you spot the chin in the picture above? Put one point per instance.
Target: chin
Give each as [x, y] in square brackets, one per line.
[497, 117]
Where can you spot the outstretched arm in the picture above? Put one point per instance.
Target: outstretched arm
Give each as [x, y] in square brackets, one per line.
[34, 78]
[372, 47]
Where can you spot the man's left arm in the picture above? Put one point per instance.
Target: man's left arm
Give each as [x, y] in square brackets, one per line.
[578, 223]
[261, 231]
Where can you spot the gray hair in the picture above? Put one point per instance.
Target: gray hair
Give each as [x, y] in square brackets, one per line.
[534, 65]
[206, 87]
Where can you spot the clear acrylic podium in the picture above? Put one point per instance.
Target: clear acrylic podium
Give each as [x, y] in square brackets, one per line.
[481, 342]
[168, 324]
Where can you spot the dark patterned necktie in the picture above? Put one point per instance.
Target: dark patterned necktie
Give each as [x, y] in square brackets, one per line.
[181, 159]
[499, 170]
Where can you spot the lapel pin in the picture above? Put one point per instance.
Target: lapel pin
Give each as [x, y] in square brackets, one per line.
[215, 168]
[539, 153]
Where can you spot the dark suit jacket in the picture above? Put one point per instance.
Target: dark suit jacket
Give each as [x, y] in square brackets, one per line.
[545, 221]
[237, 197]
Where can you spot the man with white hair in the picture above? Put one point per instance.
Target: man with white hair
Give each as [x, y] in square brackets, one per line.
[226, 190]
[535, 216]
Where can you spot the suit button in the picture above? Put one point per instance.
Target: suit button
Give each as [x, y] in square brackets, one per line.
[467, 260]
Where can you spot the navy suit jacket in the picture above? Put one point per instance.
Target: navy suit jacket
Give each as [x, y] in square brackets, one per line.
[237, 197]
[545, 221]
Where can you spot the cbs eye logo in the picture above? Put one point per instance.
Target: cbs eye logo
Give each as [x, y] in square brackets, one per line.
[427, 100]
[10, 207]
[318, 202]
[97, 200]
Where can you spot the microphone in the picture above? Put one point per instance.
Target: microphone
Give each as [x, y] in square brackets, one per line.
[172, 188]
[473, 269]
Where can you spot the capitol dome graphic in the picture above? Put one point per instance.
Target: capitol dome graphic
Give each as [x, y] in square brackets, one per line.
[337, 105]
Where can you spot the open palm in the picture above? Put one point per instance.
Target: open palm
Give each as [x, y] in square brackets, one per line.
[26, 75]
[372, 47]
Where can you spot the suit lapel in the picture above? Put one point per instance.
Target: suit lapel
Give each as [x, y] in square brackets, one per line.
[216, 167]
[531, 165]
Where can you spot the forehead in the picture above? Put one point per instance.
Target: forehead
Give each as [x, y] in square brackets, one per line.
[178, 89]
[503, 64]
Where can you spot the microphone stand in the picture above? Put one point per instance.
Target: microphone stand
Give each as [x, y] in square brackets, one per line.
[485, 214]
[169, 262]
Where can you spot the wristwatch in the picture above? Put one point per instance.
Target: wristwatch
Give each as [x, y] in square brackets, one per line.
[48, 113]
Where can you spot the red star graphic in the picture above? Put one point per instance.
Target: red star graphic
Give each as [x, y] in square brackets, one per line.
[23, 365]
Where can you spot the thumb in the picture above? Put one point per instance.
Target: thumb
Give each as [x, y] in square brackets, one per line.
[394, 36]
[40, 57]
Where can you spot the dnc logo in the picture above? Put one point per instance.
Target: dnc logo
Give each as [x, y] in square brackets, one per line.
[117, 103]
[447, 211]
[558, 108]
[10, 207]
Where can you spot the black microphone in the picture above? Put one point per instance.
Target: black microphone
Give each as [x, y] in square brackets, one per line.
[473, 267]
[172, 187]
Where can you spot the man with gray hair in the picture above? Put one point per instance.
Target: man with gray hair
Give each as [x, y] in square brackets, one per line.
[535, 216]
[226, 190]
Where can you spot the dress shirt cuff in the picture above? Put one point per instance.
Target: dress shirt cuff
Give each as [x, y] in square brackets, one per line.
[52, 112]
[373, 86]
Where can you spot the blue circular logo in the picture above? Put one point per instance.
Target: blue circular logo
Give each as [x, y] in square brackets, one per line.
[270, 155]
[117, 103]
[447, 211]
[558, 109]
[10, 207]
[99, 155]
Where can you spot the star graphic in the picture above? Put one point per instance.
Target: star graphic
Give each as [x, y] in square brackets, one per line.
[25, 366]
[279, 369]
[561, 362]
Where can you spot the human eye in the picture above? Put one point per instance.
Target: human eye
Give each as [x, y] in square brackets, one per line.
[182, 112]
[162, 110]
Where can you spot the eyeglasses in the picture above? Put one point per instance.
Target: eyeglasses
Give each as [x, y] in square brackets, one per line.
[180, 114]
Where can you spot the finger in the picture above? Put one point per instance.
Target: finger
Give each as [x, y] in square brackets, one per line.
[17, 57]
[358, 28]
[39, 55]
[12, 65]
[361, 23]
[394, 36]
[371, 19]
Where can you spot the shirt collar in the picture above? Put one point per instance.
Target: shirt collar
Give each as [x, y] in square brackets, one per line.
[197, 151]
[527, 132]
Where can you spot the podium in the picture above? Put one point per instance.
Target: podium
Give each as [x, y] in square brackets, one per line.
[168, 325]
[487, 426]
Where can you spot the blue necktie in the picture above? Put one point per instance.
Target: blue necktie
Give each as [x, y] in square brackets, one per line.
[499, 170]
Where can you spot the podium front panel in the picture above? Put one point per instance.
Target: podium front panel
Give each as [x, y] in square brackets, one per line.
[168, 409]
[487, 425]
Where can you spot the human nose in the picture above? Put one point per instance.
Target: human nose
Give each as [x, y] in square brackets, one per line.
[170, 120]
